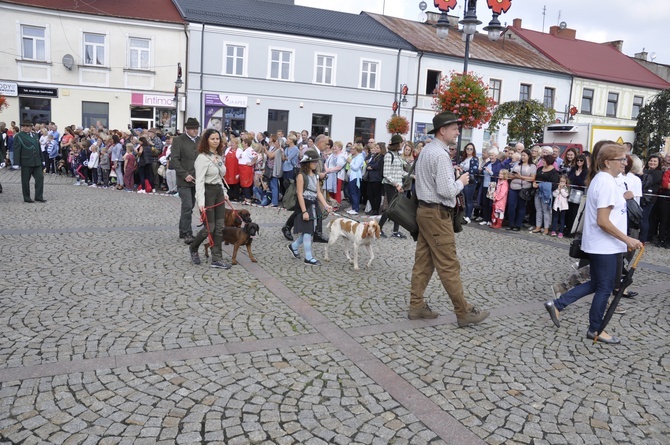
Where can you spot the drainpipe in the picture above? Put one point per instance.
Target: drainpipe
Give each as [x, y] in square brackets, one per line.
[201, 105]
[416, 97]
[187, 77]
[397, 77]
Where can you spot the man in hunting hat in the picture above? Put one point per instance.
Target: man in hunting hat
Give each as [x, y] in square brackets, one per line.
[392, 176]
[28, 155]
[436, 189]
[182, 160]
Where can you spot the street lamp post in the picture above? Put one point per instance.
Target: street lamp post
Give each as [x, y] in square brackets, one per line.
[177, 86]
[402, 92]
[470, 23]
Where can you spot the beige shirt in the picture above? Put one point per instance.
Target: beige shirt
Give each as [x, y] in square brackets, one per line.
[209, 169]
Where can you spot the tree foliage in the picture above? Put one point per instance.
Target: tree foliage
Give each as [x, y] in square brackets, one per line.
[527, 119]
[653, 123]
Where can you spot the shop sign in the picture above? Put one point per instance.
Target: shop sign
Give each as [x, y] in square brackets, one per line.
[225, 100]
[38, 91]
[9, 89]
[152, 100]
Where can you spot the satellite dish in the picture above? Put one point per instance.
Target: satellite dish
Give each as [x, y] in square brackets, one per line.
[562, 25]
[652, 56]
[68, 61]
[423, 17]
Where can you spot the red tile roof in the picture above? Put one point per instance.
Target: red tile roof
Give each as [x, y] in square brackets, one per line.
[422, 36]
[154, 10]
[599, 61]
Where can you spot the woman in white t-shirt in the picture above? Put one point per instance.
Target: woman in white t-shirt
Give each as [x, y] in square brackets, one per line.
[604, 239]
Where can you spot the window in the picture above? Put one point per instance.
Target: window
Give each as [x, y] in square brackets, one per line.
[94, 49]
[364, 129]
[369, 70]
[321, 123]
[140, 53]
[277, 120]
[495, 86]
[587, 101]
[325, 69]
[280, 64]
[549, 94]
[432, 81]
[235, 65]
[612, 101]
[524, 92]
[638, 103]
[94, 112]
[33, 43]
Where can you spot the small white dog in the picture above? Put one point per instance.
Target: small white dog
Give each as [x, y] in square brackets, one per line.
[360, 234]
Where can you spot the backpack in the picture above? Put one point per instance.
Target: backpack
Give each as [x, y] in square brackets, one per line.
[290, 199]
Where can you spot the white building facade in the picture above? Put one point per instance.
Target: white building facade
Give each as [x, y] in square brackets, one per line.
[88, 69]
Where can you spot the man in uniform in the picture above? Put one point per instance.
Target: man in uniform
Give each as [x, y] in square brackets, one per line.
[28, 156]
[182, 159]
[436, 189]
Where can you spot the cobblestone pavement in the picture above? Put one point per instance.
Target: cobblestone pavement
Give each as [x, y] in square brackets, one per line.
[111, 336]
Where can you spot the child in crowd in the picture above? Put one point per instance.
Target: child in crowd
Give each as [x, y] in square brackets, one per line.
[105, 166]
[308, 192]
[129, 167]
[500, 199]
[93, 162]
[75, 165]
[52, 150]
[560, 206]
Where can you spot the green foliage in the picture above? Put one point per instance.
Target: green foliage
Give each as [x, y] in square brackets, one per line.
[527, 119]
[653, 123]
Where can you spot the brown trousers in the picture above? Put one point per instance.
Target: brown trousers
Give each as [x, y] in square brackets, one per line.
[436, 249]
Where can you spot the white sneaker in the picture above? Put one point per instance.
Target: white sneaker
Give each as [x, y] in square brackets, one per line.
[483, 223]
[2, 165]
[467, 220]
[77, 183]
[353, 212]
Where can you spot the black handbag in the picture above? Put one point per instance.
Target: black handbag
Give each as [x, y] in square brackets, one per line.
[459, 212]
[576, 250]
[527, 194]
[402, 210]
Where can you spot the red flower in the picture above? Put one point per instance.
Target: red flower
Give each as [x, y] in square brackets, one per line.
[397, 125]
[499, 6]
[445, 5]
[465, 95]
[3, 102]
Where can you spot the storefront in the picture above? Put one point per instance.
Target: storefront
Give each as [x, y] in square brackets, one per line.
[35, 103]
[151, 110]
[225, 112]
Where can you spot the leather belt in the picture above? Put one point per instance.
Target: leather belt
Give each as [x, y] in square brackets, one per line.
[435, 205]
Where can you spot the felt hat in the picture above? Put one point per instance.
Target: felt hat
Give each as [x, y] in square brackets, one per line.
[396, 139]
[442, 119]
[26, 123]
[192, 122]
[310, 156]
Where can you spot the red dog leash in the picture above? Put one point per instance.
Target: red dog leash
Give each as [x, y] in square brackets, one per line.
[203, 218]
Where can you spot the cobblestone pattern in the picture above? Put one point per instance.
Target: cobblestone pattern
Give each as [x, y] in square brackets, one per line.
[73, 291]
[518, 381]
[311, 395]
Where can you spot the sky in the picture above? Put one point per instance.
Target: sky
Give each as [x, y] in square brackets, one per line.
[640, 24]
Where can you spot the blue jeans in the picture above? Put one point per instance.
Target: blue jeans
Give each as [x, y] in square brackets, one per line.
[261, 195]
[542, 213]
[274, 189]
[469, 194]
[558, 221]
[355, 195]
[603, 277]
[516, 208]
[644, 227]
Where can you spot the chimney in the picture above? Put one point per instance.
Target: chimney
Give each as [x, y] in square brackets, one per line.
[618, 44]
[432, 17]
[516, 23]
[642, 56]
[565, 33]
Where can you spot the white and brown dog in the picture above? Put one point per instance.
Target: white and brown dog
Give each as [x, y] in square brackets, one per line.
[360, 234]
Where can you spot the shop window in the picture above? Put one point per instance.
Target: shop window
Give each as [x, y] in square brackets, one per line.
[277, 120]
[364, 129]
[95, 114]
[321, 124]
[35, 109]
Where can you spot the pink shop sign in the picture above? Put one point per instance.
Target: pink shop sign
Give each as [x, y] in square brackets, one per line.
[152, 100]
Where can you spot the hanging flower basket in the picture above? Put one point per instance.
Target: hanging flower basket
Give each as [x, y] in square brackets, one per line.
[465, 95]
[3, 102]
[397, 125]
